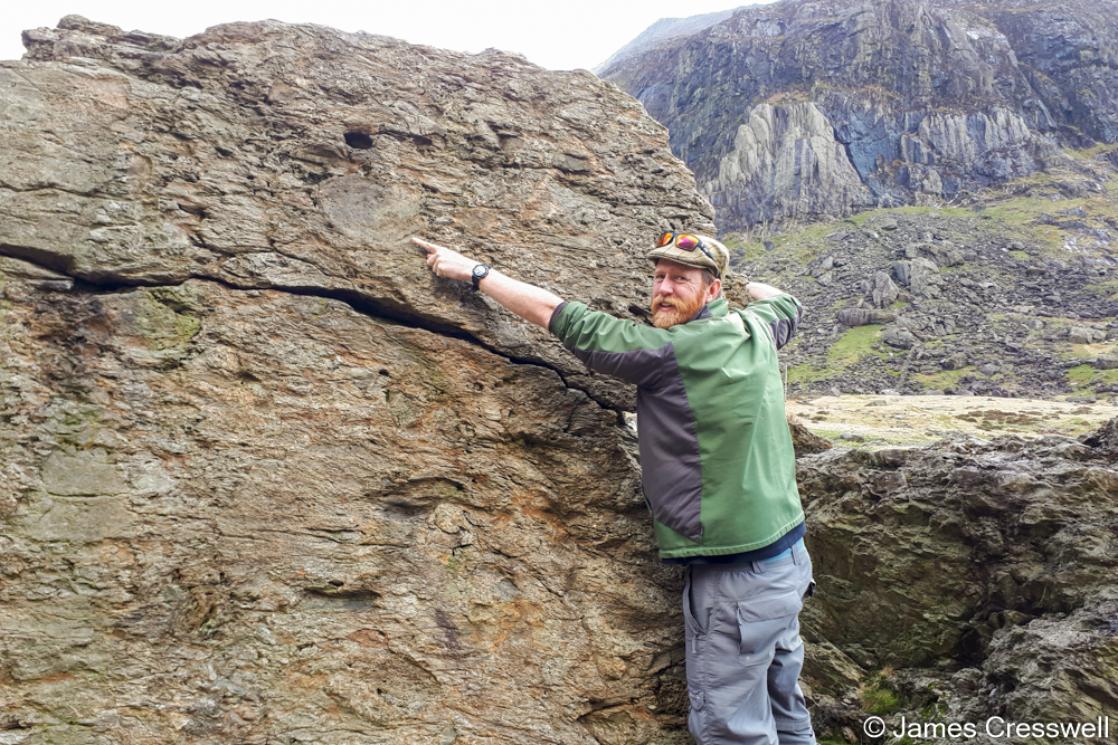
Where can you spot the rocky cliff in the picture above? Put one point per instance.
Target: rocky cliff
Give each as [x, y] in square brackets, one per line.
[264, 480]
[802, 109]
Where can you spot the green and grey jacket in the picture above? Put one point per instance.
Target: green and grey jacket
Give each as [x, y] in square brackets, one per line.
[717, 464]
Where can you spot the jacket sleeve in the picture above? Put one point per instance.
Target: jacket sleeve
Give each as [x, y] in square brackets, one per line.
[782, 314]
[613, 346]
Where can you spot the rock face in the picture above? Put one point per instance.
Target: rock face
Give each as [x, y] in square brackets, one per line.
[786, 158]
[265, 479]
[803, 109]
[996, 563]
[259, 155]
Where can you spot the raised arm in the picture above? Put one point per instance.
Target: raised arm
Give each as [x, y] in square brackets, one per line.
[531, 303]
[777, 308]
[762, 291]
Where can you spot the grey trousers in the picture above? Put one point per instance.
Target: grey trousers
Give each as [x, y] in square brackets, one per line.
[744, 652]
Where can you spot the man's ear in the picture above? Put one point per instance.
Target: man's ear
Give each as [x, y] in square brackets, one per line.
[715, 289]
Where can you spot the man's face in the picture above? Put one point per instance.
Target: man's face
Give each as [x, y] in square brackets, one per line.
[678, 293]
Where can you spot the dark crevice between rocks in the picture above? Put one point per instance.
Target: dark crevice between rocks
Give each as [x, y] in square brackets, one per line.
[394, 313]
[39, 257]
[336, 597]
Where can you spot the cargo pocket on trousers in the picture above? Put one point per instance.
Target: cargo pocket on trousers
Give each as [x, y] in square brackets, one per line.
[762, 622]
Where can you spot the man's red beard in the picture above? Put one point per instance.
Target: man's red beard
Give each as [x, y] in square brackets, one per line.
[679, 312]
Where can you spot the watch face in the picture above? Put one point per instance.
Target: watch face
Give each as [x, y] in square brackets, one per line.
[481, 270]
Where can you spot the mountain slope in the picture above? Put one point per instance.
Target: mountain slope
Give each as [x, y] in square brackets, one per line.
[662, 31]
[1010, 294]
[806, 109]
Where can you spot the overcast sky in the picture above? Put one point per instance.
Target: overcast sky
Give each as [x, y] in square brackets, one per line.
[560, 34]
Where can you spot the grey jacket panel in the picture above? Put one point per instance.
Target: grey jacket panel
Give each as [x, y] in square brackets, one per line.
[784, 329]
[671, 471]
[645, 367]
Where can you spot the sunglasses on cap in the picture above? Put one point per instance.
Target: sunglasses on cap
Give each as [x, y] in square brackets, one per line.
[686, 242]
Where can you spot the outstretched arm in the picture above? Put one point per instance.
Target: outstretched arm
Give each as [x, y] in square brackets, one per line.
[762, 291]
[531, 303]
[777, 308]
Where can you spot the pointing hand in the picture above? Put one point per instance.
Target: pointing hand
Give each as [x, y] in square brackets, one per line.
[445, 262]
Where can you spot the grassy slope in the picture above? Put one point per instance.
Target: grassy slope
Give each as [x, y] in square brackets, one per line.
[1048, 220]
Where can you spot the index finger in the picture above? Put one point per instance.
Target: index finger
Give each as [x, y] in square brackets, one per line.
[429, 247]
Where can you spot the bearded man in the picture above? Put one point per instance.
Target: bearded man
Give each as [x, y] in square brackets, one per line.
[717, 468]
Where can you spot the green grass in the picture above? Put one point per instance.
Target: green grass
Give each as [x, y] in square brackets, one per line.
[1024, 216]
[1020, 215]
[1090, 153]
[848, 350]
[878, 698]
[944, 379]
[861, 218]
[1107, 287]
[854, 344]
[1088, 352]
[743, 250]
[806, 241]
[807, 373]
[1083, 377]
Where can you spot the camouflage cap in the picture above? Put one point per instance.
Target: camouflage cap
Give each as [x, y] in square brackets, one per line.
[707, 253]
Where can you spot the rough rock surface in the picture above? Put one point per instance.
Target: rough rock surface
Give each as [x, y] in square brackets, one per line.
[263, 155]
[264, 478]
[996, 564]
[877, 102]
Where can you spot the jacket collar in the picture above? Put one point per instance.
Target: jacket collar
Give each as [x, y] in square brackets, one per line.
[714, 309]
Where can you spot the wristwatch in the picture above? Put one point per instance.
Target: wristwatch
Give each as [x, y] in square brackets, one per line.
[481, 271]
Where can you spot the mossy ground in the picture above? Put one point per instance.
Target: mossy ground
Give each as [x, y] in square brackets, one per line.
[851, 348]
[878, 698]
[854, 344]
[1089, 378]
[944, 380]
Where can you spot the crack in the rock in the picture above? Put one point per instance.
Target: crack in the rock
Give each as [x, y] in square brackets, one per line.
[57, 263]
[107, 282]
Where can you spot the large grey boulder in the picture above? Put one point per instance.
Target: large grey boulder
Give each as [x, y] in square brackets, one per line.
[263, 478]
